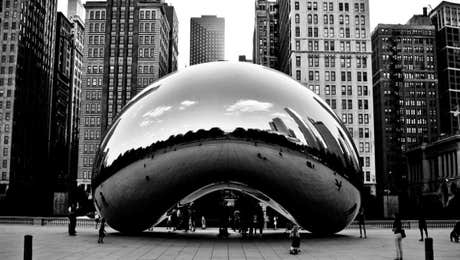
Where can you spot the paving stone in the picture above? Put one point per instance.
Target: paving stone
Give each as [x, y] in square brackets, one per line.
[53, 242]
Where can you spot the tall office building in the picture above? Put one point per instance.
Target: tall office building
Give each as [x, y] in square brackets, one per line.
[173, 51]
[26, 77]
[92, 88]
[207, 39]
[75, 8]
[405, 96]
[327, 47]
[266, 34]
[127, 48]
[446, 18]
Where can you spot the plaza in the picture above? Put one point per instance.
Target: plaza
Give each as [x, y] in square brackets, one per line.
[53, 242]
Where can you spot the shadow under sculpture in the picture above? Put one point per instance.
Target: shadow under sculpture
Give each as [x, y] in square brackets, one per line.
[233, 126]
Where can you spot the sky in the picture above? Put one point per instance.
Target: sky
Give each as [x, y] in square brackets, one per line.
[239, 20]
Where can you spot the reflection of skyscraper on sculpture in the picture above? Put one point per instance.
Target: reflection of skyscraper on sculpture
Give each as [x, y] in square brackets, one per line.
[331, 141]
[311, 135]
[278, 125]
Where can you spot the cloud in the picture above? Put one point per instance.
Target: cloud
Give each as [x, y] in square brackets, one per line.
[186, 103]
[249, 105]
[152, 116]
[158, 111]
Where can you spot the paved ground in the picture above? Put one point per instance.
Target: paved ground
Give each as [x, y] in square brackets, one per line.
[54, 243]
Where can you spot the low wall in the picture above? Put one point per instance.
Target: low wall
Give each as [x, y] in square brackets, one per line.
[88, 222]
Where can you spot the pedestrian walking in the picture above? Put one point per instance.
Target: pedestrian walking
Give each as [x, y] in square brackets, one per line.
[399, 235]
[101, 232]
[422, 226]
[295, 241]
[455, 234]
[361, 223]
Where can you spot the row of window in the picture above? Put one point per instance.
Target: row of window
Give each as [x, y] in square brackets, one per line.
[347, 118]
[329, 6]
[329, 61]
[96, 39]
[93, 95]
[145, 15]
[329, 45]
[97, 15]
[93, 108]
[89, 148]
[94, 82]
[96, 52]
[92, 121]
[345, 91]
[92, 134]
[96, 27]
[345, 76]
[364, 147]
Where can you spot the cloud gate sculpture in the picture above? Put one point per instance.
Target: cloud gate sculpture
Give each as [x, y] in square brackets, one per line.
[227, 126]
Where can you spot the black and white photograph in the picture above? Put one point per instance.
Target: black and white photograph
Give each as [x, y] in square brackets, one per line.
[230, 129]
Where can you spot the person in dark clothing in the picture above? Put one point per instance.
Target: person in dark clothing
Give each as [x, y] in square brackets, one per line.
[101, 232]
[398, 231]
[422, 226]
[455, 234]
[72, 220]
[361, 223]
[295, 241]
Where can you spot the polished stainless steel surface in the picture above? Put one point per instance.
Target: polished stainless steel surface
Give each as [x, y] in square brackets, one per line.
[228, 125]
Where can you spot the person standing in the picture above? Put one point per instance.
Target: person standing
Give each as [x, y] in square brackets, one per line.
[295, 241]
[203, 222]
[361, 223]
[422, 226]
[399, 234]
[72, 220]
[101, 232]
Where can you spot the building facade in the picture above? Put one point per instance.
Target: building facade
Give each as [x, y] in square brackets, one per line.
[75, 8]
[91, 89]
[266, 34]
[446, 19]
[328, 49]
[127, 48]
[207, 39]
[26, 77]
[433, 177]
[405, 91]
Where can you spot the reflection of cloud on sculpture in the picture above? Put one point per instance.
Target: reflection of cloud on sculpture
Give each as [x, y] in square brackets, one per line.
[248, 105]
[187, 103]
[152, 116]
[280, 115]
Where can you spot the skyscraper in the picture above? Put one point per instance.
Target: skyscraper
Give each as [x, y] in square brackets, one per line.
[61, 109]
[91, 90]
[26, 77]
[405, 96]
[75, 8]
[327, 47]
[207, 39]
[128, 48]
[446, 19]
[266, 34]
